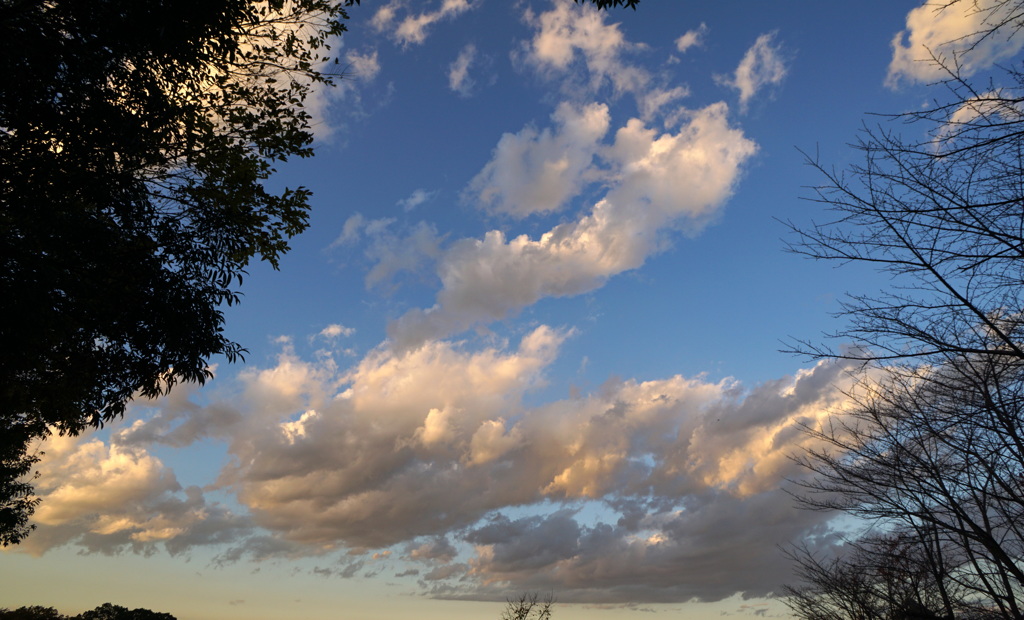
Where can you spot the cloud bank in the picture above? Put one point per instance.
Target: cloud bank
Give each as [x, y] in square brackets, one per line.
[657, 491]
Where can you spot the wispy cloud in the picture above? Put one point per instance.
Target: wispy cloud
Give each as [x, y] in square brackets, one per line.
[692, 38]
[763, 65]
[413, 29]
[458, 72]
[415, 199]
[360, 71]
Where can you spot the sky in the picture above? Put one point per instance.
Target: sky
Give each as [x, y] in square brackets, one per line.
[533, 338]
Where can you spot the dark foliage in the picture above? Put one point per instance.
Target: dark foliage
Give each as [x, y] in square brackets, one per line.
[33, 612]
[134, 141]
[105, 611]
[610, 4]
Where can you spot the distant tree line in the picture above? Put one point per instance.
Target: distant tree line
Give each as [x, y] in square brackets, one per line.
[105, 611]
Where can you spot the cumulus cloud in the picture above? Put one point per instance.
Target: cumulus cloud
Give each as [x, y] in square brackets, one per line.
[109, 498]
[685, 474]
[575, 46]
[762, 65]
[692, 38]
[414, 28]
[429, 456]
[657, 181]
[458, 72]
[960, 35]
[571, 35]
[660, 490]
[536, 172]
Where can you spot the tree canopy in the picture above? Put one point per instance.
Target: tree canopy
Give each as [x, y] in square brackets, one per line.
[135, 138]
[105, 611]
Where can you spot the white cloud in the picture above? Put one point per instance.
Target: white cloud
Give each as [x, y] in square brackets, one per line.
[986, 109]
[570, 32]
[692, 38]
[942, 36]
[413, 29]
[415, 199]
[335, 330]
[761, 66]
[574, 46]
[108, 498]
[657, 182]
[536, 172]
[364, 67]
[458, 72]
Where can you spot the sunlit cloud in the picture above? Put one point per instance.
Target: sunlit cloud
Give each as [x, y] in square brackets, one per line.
[962, 37]
[659, 490]
[335, 330]
[571, 37]
[658, 181]
[539, 171]
[108, 498]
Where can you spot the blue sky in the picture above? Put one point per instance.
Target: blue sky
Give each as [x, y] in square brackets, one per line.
[531, 339]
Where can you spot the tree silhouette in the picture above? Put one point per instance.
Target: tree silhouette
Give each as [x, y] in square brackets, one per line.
[134, 141]
[528, 606]
[930, 449]
[105, 611]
